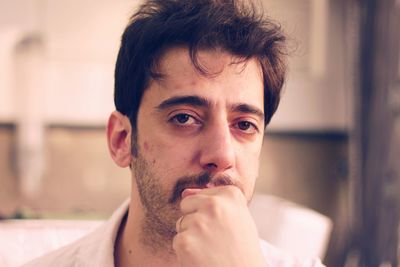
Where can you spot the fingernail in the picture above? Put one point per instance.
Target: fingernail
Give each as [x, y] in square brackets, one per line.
[209, 185]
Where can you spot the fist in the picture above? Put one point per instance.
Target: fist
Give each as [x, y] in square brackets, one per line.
[216, 230]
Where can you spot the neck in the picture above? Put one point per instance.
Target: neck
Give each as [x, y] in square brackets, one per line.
[135, 246]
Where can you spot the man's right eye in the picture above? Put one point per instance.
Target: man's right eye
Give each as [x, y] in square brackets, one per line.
[183, 119]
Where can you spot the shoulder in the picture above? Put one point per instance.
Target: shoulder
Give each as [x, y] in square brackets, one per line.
[278, 258]
[94, 249]
[70, 255]
[63, 257]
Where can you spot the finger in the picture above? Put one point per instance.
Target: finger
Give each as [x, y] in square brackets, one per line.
[182, 244]
[231, 191]
[185, 222]
[192, 203]
[209, 197]
[208, 190]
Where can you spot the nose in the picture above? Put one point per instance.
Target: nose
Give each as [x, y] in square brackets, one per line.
[217, 153]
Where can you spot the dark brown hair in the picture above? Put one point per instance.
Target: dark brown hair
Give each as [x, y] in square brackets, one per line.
[233, 26]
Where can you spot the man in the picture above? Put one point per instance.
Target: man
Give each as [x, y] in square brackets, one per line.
[196, 82]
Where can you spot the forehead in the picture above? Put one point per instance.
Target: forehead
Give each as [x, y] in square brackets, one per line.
[225, 76]
[207, 63]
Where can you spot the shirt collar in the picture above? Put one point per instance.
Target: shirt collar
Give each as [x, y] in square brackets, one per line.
[98, 248]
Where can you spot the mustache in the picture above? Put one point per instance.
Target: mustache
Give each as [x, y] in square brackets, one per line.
[199, 181]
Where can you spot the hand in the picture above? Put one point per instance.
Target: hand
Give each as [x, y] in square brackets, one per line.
[216, 230]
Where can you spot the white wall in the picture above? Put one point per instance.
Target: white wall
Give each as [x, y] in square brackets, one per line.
[80, 41]
[17, 18]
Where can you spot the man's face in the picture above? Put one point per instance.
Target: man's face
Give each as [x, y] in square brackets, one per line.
[197, 131]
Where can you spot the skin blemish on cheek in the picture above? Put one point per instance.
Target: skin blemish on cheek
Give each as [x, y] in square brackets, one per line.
[146, 146]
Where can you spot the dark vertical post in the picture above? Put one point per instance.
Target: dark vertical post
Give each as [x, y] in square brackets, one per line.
[379, 132]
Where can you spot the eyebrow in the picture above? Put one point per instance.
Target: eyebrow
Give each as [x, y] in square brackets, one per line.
[249, 109]
[184, 100]
[203, 102]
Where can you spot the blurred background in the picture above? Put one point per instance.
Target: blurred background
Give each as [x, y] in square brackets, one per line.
[333, 146]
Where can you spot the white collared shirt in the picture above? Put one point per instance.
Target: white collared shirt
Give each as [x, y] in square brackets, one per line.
[97, 249]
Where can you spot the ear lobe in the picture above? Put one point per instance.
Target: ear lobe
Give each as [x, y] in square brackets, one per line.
[119, 133]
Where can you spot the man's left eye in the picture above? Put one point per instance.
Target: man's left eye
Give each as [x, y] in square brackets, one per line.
[182, 118]
[246, 126]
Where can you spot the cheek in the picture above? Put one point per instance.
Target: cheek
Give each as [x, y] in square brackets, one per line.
[248, 165]
[167, 155]
[147, 150]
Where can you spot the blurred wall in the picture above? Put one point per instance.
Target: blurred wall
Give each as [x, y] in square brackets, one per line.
[80, 41]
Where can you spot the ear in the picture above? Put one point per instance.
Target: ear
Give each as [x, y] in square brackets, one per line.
[119, 131]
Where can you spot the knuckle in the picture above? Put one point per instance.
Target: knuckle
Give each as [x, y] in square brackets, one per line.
[182, 244]
[210, 202]
[213, 206]
[234, 193]
[199, 226]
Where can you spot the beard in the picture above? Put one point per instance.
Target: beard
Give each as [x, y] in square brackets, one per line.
[161, 206]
